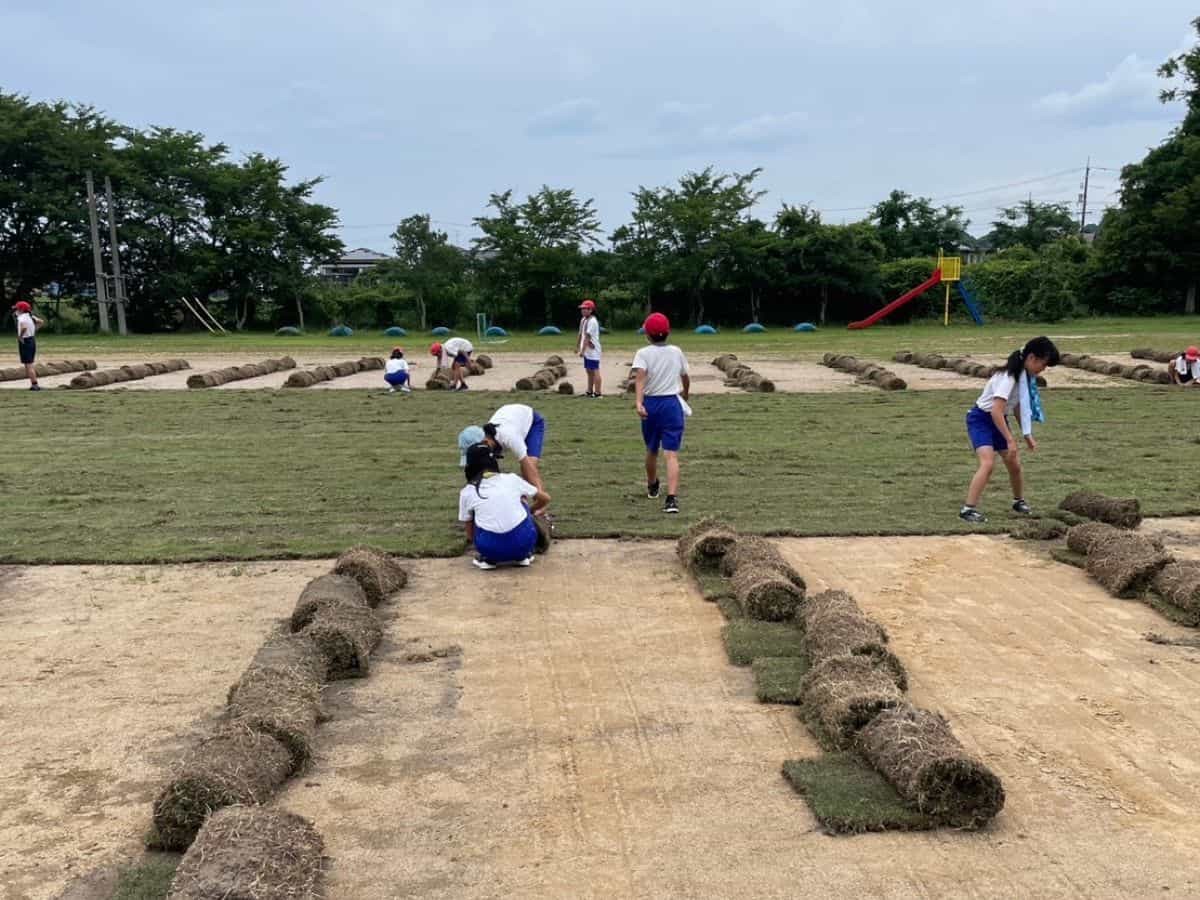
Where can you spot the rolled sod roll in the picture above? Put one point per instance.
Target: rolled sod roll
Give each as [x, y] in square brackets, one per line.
[343, 369]
[889, 381]
[81, 382]
[705, 544]
[377, 572]
[370, 363]
[1159, 356]
[324, 589]
[844, 693]
[1082, 538]
[474, 368]
[835, 625]
[1125, 513]
[916, 751]
[767, 595]
[291, 654]
[750, 552]
[283, 704]
[524, 384]
[235, 766]
[345, 633]
[544, 535]
[903, 356]
[484, 360]
[325, 373]
[565, 387]
[300, 379]
[200, 381]
[553, 361]
[137, 371]
[724, 360]
[1125, 567]
[256, 853]
[1179, 584]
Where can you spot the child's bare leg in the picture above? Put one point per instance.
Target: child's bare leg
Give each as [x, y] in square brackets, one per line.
[987, 461]
[672, 471]
[651, 467]
[1012, 460]
[598, 382]
[31, 373]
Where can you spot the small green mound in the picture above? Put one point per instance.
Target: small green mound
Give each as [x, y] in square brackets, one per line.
[341, 331]
[849, 797]
[395, 331]
[777, 678]
[753, 328]
[150, 879]
[288, 331]
[748, 639]
[440, 331]
[549, 331]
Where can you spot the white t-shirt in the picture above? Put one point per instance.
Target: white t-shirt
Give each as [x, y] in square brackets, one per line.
[665, 365]
[396, 365]
[1013, 391]
[590, 328]
[513, 421]
[26, 327]
[496, 506]
[1183, 366]
[452, 348]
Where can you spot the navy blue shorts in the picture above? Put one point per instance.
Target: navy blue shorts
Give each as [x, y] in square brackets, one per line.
[983, 431]
[27, 350]
[591, 365]
[663, 425]
[460, 359]
[395, 379]
[536, 436]
[512, 546]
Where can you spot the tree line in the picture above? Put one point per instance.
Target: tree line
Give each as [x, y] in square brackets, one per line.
[195, 222]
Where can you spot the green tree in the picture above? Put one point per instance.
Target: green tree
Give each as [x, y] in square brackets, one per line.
[752, 262]
[1033, 225]
[838, 260]
[426, 263]
[911, 226]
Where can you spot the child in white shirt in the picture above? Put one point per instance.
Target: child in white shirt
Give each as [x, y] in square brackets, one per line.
[496, 510]
[396, 372]
[589, 347]
[1185, 368]
[27, 326]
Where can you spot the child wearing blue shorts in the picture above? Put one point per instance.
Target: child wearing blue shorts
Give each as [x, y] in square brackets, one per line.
[987, 423]
[589, 347]
[514, 428]
[662, 383]
[493, 509]
[396, 372]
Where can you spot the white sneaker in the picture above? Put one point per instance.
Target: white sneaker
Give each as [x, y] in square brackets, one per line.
[391, 390]
[481, 563]
[406, 390]
[527, 561]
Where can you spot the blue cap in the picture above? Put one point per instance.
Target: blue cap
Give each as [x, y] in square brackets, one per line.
[472, 434]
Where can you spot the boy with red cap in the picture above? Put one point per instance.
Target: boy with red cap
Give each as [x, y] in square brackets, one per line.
[661, 373]
[455, 355]
[1185, 368]
[27, 326]
[589, 346]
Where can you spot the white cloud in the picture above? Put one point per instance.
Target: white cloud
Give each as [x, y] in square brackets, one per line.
[1130, 91]
[571, 117]
[770, 130]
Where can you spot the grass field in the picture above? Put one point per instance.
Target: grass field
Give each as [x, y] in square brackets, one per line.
[173, 476]
[1097, 335]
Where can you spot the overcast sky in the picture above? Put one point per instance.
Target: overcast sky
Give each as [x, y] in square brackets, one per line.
[408, 107]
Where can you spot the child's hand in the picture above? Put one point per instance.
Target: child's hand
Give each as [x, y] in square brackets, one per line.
[641, 411]
[1030, 443]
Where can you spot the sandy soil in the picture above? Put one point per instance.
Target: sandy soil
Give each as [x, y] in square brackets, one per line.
[590, 739]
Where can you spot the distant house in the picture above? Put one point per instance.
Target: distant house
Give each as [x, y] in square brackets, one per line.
[975, 249]
[351, 264]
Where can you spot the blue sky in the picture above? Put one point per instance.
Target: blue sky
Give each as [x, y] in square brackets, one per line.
[410, 107]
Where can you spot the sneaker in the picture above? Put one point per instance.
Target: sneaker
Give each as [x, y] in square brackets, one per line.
[481, 563]
[972, 515]
[35, 387]
[652, 489]
[587, 394]
[462, 387]
[527, 561]
[406, 390]
[597, 396]
[391, 390]
[1020, 506]
[671, 505]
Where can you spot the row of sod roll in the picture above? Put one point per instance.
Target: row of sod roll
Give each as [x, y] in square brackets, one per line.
[211, 804]
[866, 372]
[217, 377]
[962, 365]
[46, 369]
[309, 377]
[93, 378]
[740, 375]
[888, 764]
[1141, 372]
[553, 369]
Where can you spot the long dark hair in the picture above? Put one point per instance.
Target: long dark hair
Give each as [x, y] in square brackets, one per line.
[480, 462]
[1041, 347]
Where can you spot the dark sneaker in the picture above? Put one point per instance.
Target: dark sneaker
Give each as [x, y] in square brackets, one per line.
[462, 387]
[670, 505]
[1020, 506]
[652, 490]
[974, 516]
[35, 387]
[481, 563]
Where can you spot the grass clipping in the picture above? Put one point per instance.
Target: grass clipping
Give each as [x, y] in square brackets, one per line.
[1125, 513]
[217, 377]
[916, 751]
[251, 853]
[378, 572]
[866, 372]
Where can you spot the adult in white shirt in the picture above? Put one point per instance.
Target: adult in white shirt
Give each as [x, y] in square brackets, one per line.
[987, 423]
[1185, 368]
[516, 429]
[395, 372]
[455, 355]
[27, 326]
[589, 347]
[662, 383]
[493, 509]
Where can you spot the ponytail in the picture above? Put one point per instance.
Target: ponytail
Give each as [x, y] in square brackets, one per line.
[1041, 347]
[490, 430]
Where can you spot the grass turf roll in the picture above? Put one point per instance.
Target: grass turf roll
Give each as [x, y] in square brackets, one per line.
[566, 387]
[1082, 538]
[705, 543]
[1125, 513]
[545, 536]
[1126, 566]
[916, 751]
[251, 853]
[291, 654]
[767, 594]
[842, 694]
[484, 360]
[324, 589]
[376, 571]
[835, 625]
[1178, 583]
[235, 766]
[345, 633]
[753, 552]
[283, 704]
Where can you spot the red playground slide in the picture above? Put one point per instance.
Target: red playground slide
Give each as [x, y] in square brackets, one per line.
[934, 279]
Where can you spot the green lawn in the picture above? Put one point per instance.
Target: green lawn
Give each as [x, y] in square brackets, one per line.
[163, 475]
[1094, 335]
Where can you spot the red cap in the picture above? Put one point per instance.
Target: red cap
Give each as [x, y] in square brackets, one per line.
[397, 349]
[22, 306]
[1192, 353]
[657, 325]
[435, 349]
[588, 305]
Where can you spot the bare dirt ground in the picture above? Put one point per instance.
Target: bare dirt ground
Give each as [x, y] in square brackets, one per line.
[583, 735]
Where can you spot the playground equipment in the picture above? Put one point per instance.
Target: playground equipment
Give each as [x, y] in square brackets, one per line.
[948, 272]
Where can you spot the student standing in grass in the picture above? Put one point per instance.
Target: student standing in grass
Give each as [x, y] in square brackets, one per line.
[1015, 384]
[662, 381]
[1185, 368]
[27, 326]
[589, 346]
[455, 355]
[514, 428]
[492, 508]
[396, 372]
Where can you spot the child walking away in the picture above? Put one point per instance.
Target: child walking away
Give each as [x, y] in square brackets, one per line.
[663, 383]
[493, 509]
[396, 372]
[27, 326]
[987, 423]
[455, 355]
[1185, 368]
[589, 346]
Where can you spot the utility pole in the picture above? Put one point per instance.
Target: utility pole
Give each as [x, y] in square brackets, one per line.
[115, 249]
[1087, 172]
[101, 291]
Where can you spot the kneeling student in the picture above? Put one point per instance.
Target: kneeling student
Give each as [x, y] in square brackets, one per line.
[1185, 368]
[396, 372]
[495, 511]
